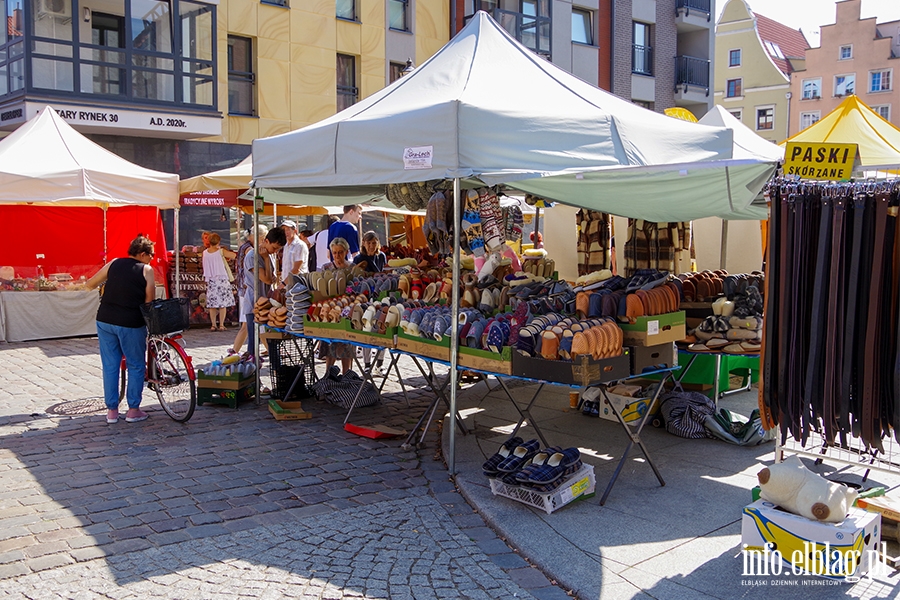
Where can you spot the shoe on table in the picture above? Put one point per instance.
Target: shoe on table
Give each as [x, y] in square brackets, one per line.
[135, 415]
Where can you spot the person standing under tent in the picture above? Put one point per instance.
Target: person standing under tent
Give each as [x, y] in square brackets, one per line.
[121, 330]
[332, 351]
[373, 260]
[260, 273]
[295, 257]
[249, 241]
[218, 276]
[318, 244]
[346, 229]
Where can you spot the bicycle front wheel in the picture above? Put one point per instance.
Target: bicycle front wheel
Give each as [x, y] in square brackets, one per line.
[170, 378]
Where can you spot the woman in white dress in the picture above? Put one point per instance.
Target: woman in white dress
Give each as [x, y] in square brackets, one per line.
[219, 295]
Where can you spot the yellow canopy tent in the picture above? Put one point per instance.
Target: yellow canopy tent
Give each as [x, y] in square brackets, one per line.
[852, 122]
[679, 112]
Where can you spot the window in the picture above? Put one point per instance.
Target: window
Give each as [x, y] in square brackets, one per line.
[734, 58]
[880, 81]
[774, 49]
[643, 104]
[396, 71]
[346, 9]
[347, 92]
[582, 26]
[197, 27]
[733, 88]
[641, 50]
[884, 111]
[397, 14]
[765, 118]
[812, 88]
[241, 78]
[845, 53]
[844, 84]
[107, 31]
[808, 118]
[737, 113]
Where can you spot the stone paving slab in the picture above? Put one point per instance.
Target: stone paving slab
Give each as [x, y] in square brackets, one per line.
[232, 503]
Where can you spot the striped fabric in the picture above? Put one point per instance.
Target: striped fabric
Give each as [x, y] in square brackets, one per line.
[341, 389]
[685, 413]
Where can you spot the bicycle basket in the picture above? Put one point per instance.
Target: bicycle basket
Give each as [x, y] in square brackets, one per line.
[167, 316]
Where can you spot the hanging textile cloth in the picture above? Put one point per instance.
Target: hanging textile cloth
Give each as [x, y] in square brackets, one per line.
[660, 246]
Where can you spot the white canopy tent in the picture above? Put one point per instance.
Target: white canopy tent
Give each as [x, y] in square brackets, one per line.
[486, 109]
[46, 161]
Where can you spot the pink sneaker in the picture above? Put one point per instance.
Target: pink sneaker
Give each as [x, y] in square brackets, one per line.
[135, 415]
[112, 416]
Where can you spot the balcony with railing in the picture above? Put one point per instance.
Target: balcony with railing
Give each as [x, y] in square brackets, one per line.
[641, 59]
[693, 14]
[691, 79]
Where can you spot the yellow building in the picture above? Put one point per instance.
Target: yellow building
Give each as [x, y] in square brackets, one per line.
[755, 57]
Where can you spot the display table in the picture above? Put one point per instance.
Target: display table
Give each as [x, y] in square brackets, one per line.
[721, 365]
[46, 315]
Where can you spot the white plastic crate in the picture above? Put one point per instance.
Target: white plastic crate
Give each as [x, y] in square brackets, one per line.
[581, 483]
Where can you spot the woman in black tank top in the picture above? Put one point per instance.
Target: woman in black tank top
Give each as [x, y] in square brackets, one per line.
[120, 325]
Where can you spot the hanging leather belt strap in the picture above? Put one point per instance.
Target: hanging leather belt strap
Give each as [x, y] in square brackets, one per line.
[830, 374]
[787, 299]
[813, 396]
[871, 409]
[849, 362]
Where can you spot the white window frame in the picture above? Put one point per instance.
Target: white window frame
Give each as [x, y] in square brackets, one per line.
[890, 80]
[740, 57]
[590, 20]
[835, 84]
[803, 83]
[877, 108]
[810, 113]
[737, 113]
[756, 110]
[841, 52]
[740, 81]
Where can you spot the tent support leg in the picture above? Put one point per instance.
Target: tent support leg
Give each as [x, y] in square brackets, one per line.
[255, 350]
[454, 324]
[723, 251]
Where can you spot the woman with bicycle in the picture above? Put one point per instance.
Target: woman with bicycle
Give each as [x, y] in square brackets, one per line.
[129, 283]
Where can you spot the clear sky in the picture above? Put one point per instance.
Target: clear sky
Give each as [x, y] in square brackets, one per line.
[808, 15]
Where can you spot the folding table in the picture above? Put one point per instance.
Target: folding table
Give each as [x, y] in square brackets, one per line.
[717, 395]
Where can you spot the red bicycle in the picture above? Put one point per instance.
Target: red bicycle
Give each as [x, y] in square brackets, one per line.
[170, 370]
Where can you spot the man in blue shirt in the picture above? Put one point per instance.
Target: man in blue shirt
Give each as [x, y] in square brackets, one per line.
[346, 228]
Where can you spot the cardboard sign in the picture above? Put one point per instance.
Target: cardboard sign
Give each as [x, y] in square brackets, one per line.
[813, 160]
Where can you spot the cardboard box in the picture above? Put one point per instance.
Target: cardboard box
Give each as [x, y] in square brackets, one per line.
[631, 409]
[317, 329]
[483, 360]
[222, 382]
[288, 411]
[888, 507]
[786, 543]
[654, 330]
[644, 357]
[424, 347]
[383, 340]
[228, 397]
[581, 372]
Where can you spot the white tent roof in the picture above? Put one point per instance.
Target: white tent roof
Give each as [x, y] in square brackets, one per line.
[47, 161]
[232, 178]
[747, 144]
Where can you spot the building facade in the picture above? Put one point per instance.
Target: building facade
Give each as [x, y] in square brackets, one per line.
[656, 53]
[855, 56]
[755, 60]
[184, 86]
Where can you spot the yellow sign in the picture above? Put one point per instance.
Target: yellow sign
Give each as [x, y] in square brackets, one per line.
[812, 160]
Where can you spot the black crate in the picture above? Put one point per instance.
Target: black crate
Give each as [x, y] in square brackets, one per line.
[290, 356]
[167, 316]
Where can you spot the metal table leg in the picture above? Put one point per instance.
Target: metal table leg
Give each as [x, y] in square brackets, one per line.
[634, 437]
[429, 413]
[524, 413]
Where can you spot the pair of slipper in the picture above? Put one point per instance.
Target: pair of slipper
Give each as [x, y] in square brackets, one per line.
[549, 468]
[727, 346]
[510, 457]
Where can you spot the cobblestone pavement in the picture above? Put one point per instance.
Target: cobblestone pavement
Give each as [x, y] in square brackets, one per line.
[232, 503]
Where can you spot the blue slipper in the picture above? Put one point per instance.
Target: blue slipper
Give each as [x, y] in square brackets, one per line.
[490, 465]
[554, 468]
[519, 457]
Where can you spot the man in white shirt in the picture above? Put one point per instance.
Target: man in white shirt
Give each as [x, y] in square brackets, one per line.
[295, 257]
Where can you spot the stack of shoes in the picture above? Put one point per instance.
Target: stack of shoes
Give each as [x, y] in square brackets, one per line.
[549, 469]
[489, 468]
[278, 317]
[261, 310]
[703, 286]
[297, 301]
[554, 337]
[735, 327]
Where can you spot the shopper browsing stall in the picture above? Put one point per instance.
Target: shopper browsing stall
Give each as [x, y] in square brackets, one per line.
[243, 309]
[295, 257]
[373, 260]
[120, 325]
[346, 229]
[318, 244]
[340, 250]
[218, 276]
[259, 275]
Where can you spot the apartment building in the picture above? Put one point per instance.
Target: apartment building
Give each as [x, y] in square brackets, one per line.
[756, 58]
[185, 85]
[855, 56]
[656, 53]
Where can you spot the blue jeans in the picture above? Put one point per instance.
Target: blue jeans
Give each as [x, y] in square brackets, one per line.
[116, 342]
[252, 346]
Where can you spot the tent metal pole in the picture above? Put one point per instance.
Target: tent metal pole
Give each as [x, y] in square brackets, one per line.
[105, 249]
[177, 253]
[454, 325]
[537, 227]
[254, 352]
[723, 250]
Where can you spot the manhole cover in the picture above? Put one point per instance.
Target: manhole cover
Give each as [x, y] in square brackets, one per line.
[82, 406]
